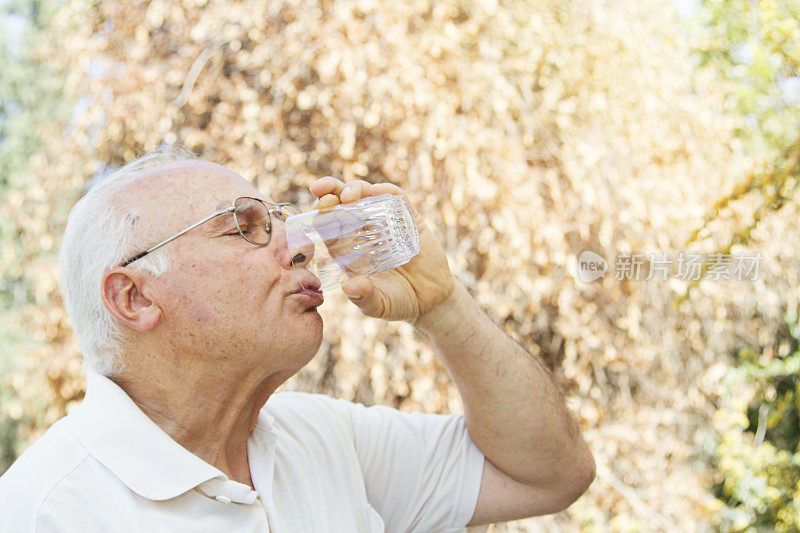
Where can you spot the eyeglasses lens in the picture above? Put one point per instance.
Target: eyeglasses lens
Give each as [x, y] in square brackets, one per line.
[253, 220]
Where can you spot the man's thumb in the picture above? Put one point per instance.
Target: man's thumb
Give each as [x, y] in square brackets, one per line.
[362, 292]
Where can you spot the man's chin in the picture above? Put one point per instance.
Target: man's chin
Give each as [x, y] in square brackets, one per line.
[311, 345]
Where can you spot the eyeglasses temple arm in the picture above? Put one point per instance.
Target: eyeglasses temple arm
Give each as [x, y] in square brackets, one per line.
[168, 239]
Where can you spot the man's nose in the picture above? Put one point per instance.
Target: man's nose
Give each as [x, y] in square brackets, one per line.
[301, 251]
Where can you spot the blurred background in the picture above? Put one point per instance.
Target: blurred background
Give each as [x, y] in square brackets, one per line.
[526, 133]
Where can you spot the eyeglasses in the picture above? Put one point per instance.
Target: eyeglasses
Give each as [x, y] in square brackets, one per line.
[253, 222]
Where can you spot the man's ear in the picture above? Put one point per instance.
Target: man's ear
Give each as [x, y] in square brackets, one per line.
[123, 297]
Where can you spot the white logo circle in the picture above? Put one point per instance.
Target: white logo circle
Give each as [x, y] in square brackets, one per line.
[591, 266]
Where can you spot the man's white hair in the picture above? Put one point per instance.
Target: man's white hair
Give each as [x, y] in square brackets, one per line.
[99, 236]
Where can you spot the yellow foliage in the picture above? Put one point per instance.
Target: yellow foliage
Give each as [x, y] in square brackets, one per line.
[525, 132]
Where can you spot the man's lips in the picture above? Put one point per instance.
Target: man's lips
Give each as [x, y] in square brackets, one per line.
[314, 298]
[311, 283]
[308, 288]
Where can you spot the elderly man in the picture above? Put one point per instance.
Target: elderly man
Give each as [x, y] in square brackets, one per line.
[188, 322]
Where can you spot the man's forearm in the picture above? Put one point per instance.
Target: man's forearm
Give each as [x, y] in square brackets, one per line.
[514, 410]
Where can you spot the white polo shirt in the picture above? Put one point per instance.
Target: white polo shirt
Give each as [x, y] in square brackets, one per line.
[318, 465]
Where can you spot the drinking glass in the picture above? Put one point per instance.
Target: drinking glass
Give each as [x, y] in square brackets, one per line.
[371, 235]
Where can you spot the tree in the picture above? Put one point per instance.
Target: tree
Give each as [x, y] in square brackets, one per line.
[30, 99]
[526, 132]
[756, 46]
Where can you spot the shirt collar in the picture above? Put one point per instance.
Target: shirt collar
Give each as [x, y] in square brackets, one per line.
[121, 437]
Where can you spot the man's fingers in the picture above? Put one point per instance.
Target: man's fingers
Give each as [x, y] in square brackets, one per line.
[348, 192]
[383, 188]
[326, 185]
[363, 293]
[355, 190]
[328, 200]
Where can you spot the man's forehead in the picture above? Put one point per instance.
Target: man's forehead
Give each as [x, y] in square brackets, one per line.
[195, 177]
[190, 187]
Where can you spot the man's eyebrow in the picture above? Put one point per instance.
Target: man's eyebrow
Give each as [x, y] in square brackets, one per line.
[220, 222]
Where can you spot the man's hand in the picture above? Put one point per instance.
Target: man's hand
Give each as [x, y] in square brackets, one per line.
[403, 293]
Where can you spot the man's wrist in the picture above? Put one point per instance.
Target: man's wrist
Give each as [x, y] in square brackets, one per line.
[444, 315]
